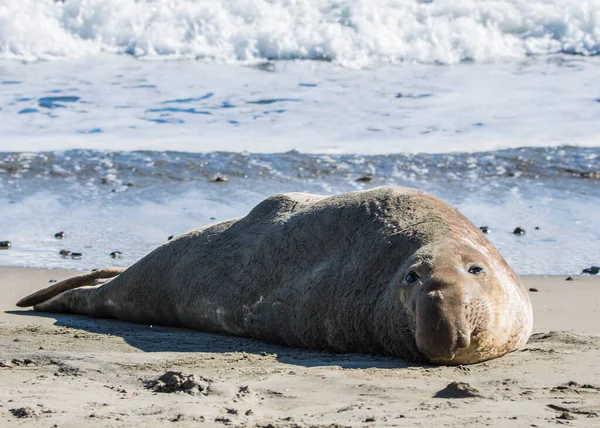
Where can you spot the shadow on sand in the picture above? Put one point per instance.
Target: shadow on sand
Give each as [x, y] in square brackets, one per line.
[168, 339]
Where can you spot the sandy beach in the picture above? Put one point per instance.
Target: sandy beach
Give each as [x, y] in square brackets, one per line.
[70, 371]
[126, 124]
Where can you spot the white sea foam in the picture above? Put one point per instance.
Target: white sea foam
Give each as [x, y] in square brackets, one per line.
[353, 33]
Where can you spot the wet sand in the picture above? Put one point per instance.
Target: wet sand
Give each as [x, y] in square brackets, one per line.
[71, 371]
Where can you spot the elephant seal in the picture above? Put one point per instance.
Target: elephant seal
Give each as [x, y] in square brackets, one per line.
[391, 270]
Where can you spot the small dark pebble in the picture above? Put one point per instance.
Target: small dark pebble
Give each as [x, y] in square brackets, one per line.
[23, 412]
[364, 179]
[519, 231]
[371, 419]
[249, 412]
[219, 179]
[485, 229]
[569, 278]
[4, 245]
[116, 254]
[60, 235]
[76, 255]
[52, 281]
[130, 184]
[537, 228]
[535, 290]
[213, 218]
[64, 253]
[169, 238]
[594, 270]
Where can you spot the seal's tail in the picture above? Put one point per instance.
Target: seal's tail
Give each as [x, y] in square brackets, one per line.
[89, 278]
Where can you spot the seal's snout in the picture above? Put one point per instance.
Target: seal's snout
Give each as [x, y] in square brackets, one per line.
[443, 329]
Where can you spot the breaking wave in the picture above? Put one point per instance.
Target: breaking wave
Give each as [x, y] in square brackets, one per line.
[352, 33]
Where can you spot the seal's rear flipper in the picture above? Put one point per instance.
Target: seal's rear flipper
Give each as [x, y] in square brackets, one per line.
[89, 278]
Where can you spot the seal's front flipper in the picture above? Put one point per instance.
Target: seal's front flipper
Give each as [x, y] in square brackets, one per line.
[89, 278]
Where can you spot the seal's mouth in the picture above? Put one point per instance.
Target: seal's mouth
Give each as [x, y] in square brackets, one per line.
[460, 356]
[476, 351]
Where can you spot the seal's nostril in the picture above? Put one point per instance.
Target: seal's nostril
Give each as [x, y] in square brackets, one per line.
[463, 339]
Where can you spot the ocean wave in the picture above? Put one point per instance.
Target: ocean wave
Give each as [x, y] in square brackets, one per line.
[352, 33]
[148, 169]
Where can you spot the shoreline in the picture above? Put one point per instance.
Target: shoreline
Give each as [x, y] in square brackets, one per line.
[71, 370]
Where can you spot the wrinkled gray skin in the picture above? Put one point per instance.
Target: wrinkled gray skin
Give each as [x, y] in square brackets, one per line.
[330, 273]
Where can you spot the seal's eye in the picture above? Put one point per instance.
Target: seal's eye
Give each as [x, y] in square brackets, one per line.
[410, 278]
[475, 270]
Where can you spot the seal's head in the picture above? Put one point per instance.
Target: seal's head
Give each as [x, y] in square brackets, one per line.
[467, 305]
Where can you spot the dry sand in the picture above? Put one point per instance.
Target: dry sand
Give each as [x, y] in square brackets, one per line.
[72, 371]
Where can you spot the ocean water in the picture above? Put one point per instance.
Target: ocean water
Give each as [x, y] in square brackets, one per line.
[115, 118]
